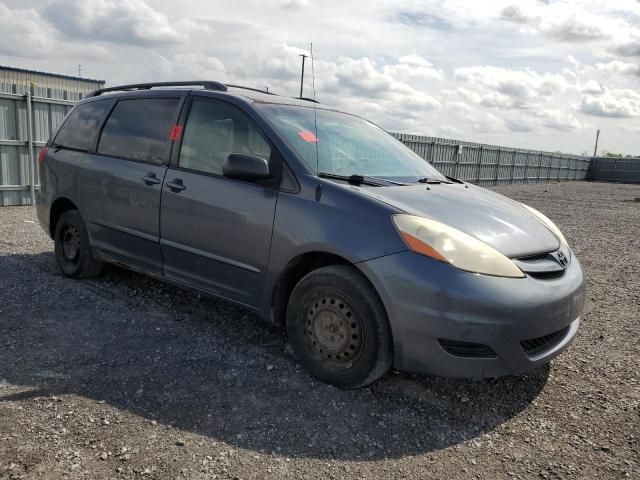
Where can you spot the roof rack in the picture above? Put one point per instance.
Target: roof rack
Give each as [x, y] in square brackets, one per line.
[209, 85]
[250, 88]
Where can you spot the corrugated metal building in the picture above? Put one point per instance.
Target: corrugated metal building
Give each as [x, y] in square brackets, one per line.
[48, 96]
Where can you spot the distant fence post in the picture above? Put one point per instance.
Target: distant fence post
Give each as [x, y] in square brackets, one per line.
[513, 165]
[31, 169]
[496, 174]
[539, 168]
[478, 171]
[457, 164]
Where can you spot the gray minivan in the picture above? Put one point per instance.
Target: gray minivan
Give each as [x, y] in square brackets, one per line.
[317, 220]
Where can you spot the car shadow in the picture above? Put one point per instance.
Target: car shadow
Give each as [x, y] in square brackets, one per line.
[213, 369]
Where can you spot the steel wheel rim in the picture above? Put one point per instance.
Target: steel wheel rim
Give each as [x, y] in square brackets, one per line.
[333, 330]
[70, 243]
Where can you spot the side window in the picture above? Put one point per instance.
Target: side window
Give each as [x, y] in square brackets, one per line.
[213, 131]
[138, 129]
[80, 129]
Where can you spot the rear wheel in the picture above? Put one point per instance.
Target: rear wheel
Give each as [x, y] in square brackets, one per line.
[72, 247]
[338, 328]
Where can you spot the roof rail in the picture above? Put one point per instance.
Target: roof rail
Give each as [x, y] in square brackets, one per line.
[250, 88]
[209, 85]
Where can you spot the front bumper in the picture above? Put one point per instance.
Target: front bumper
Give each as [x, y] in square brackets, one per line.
[427, 300]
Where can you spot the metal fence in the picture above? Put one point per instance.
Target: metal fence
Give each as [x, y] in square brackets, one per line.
[612, 169]
[32, 104]
[26, 121]
[494, 165]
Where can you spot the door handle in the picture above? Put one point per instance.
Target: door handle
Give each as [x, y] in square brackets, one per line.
[176, 185]
[151, 179]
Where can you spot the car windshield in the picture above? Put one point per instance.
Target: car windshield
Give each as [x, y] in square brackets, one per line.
[337, 143]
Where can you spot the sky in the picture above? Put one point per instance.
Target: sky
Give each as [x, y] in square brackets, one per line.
[522, 73]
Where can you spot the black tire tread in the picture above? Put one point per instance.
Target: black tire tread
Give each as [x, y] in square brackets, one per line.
[88, 266]
[355, 279]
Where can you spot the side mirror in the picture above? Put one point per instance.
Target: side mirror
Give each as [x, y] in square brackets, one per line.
[243, 166]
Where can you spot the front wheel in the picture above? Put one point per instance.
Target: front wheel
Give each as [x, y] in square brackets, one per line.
[338, 327]
[74, 254]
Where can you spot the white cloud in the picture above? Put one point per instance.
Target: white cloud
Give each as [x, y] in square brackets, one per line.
[614, 103]
[592, 87]
[118, 21]
[559, 120]
[502, 87]
[617, 67]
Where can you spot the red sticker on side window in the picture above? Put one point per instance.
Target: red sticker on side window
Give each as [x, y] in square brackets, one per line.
[175, 132]
[307, 136]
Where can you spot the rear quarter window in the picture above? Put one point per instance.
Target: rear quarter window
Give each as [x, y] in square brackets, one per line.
[138, 129]
[80, 129]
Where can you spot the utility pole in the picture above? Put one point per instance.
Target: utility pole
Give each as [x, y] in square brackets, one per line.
[595, 150]
[79, 70]
[302, 76]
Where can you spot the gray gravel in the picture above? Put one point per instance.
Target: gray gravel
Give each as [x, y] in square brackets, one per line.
[125, 377]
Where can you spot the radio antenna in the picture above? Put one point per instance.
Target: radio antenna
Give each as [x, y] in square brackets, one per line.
[315, 110]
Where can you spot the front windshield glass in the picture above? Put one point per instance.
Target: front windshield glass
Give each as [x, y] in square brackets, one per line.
[346, 144]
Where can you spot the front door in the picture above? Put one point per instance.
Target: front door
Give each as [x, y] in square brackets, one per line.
[215, 231]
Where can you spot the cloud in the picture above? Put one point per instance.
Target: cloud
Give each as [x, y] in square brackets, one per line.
[628, 48]
[506, 88]
[559, 120]
[294, 4]
[562, 21]
[592, 87]
[619, 103]
[118, 21]
[513, 13]
[617, 67]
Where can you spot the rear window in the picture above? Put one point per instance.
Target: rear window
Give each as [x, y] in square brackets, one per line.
[80, 129]
[138, 129]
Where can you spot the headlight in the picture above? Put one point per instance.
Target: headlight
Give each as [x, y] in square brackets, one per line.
[547, 223]
[447, 244]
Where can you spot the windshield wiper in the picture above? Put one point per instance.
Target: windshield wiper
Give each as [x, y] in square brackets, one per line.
[360, 179]
[431, 180]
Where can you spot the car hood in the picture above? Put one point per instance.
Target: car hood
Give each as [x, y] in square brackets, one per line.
[494, 219]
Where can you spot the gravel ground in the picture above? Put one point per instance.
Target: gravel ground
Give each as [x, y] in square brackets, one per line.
[123, 376]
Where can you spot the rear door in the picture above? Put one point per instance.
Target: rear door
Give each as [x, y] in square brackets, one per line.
[122, 181]
[215, 231]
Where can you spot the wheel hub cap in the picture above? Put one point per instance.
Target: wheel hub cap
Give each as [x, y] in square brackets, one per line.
[70, 242]
[333, 329]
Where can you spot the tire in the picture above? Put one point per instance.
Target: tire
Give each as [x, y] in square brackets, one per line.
[338, 328]
[74, 254]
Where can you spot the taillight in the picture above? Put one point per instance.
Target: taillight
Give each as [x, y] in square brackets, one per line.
[42, 155]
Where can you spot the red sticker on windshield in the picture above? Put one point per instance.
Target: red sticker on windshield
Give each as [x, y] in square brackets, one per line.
[307, 136]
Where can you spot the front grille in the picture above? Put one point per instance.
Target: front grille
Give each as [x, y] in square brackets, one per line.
[534, 346]
[544, 266]
[467, 349]
[546, 275]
